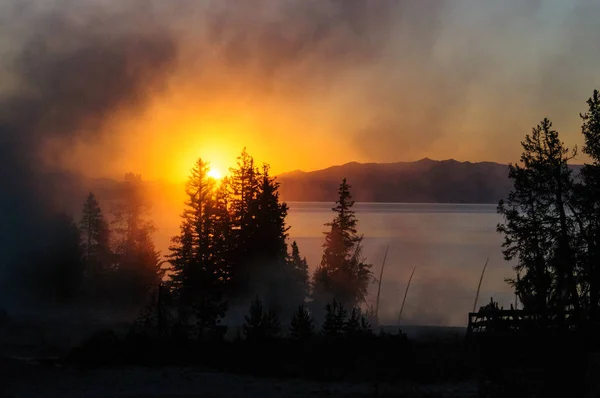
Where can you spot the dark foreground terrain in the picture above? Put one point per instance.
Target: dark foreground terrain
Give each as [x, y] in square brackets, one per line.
[47, 380]
[37, 363]
[59, 359]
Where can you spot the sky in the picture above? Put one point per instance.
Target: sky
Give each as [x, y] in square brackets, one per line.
[102, 88]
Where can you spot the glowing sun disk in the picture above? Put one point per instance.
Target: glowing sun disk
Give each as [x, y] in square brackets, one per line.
[214, 173]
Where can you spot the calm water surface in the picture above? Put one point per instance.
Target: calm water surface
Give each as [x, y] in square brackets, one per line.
[448, 243]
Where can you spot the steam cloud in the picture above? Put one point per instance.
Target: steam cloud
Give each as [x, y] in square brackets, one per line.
[397, 78]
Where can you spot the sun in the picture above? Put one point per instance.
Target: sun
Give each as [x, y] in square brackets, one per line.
[215, 174]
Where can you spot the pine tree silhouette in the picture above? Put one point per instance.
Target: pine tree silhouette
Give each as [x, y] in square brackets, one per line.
[343, 273]
[272, 325]
[199, 255]
[261, 325]
[537, 231]
[302, 326]
[96, 251]
[138, 264]
[352, 327]
[335, 319]
[253, 327]
[366, 328]
[300, 276]
[243, 188]
[259, 253]
[95, 237]
[587, 196]
[269, 246]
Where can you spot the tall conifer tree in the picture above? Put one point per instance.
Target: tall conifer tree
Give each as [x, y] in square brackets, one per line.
[198, 257]
[343, 274]
[95, 238]
[138, 263]
[538, 230]
[587, 193]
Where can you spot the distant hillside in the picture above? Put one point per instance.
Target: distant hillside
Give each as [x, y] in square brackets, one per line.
[423, 181]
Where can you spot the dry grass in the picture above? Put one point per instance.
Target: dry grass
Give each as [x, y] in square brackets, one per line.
[406, 294]
[479, 286]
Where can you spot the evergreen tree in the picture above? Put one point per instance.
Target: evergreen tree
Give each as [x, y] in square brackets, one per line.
[258, 260]
[335, 319]
[138, 265]
[587, 192]
[198, 257]
[155, 318]
[301, 279]
[343, 273]
[129, 214]
[272, 272]
[302, 326]
[271, 324]
[220, 232]
[261, 325]
[352, 327]
[268, 215]
[243, 192]
[538, 230]
[244, 188]
[253, 329]
[95, 234]
[190, 249]
[143, 265]
[357, 324]
[366, 328]
[95, 248]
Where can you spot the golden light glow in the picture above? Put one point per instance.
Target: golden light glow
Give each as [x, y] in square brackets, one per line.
[178, 128]
[219, 156]
[215, 174]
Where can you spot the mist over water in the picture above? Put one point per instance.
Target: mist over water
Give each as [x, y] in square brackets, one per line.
[448, 244]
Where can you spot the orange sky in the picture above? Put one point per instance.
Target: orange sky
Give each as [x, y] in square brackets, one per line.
[307, 85]
[163, 142]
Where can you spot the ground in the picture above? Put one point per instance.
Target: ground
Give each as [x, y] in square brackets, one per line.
[29, 379]
[23, 373]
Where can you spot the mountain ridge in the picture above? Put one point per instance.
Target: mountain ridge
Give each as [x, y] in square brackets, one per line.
[421, 181]
[420, 161]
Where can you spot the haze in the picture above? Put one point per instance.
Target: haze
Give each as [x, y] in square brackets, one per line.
[302, 84]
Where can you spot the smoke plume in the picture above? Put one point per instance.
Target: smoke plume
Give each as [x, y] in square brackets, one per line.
[71, 75]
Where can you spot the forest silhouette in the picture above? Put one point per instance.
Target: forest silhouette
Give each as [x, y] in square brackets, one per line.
[232, 250]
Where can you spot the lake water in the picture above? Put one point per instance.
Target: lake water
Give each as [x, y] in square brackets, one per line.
[447, 243]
